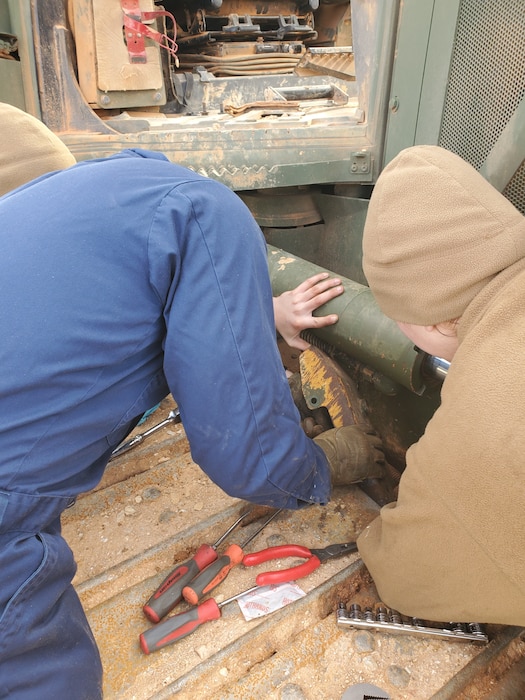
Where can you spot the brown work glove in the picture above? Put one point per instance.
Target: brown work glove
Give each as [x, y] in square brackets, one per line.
[354, 453]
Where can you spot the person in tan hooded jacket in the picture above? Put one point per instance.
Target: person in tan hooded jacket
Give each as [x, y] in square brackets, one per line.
[29, 149]
[444, 255]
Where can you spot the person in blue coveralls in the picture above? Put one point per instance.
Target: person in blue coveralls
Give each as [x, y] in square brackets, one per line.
[124, 279]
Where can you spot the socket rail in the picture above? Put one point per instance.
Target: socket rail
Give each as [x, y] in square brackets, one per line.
[384, 620]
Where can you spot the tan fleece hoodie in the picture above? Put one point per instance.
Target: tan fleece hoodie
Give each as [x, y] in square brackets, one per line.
[453, 546]
[29, 149]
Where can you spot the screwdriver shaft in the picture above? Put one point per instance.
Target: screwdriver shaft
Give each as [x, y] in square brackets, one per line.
[173, 416]
[266, 522]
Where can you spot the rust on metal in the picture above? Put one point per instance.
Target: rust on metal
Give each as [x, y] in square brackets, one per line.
[325, 384]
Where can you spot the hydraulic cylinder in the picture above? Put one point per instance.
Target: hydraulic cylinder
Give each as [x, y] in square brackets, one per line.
[363, 332]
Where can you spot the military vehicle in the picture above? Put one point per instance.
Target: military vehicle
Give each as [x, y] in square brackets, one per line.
[297, 105]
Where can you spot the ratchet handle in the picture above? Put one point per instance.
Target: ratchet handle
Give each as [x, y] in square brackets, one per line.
[280, 552]
[169, 593]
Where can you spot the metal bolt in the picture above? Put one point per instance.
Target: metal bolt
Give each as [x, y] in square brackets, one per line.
[381, 614]
[355, 612]
[395, 617]
[105, 99]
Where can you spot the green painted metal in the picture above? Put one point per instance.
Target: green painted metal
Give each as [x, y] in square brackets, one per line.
[341, 248]
[419, 81]
[362, 332]
[437, 68]
[335, 243]
[18, 13]
[412, 42]
[240, 159]
[341, 145]
[374, 26]
[11, 83]
[11, 87]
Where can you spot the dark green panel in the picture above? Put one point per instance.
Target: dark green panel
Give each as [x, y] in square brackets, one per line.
[420, 78]
[11, 87]
[341, 246]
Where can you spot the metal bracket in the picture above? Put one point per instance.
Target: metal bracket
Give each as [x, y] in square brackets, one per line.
[360, 162]
[236, 25]
[136, 31]
[134, 36]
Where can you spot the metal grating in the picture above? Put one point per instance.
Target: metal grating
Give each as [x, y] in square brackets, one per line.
[486, 82]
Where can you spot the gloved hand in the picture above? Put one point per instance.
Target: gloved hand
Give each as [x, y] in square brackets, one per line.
[354, 453]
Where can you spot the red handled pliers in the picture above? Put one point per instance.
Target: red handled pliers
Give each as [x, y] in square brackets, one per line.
[314, 557]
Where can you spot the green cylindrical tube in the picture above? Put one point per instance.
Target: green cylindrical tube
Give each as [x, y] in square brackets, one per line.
[363, 331]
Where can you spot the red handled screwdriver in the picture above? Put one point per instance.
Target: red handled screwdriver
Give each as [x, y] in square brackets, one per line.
[179, 626]
[212, 575]
[169, 593]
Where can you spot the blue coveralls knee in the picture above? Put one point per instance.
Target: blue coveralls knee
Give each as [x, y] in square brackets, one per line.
[47, 649]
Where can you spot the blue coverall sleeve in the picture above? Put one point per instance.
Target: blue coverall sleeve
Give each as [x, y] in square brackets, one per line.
[220, 357]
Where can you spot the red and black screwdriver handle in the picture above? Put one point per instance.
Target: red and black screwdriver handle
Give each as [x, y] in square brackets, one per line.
[169, 593]
[210, 578]
[178, 626]
[215, 573]
[280, 552]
